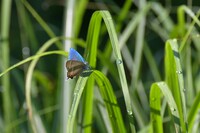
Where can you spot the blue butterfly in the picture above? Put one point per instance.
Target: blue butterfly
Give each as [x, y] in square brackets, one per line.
[75, 64]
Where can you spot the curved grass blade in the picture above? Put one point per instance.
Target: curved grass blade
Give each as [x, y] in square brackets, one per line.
[116, 50]
[174, 79]
[156, 120]
[91, 51]
[32, 58]
[107, 93]
[91, 55]
[29, 78]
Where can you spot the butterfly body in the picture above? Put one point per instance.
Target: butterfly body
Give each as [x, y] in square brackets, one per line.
[75, 64]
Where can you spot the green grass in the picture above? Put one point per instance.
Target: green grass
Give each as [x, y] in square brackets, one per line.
[144, 76]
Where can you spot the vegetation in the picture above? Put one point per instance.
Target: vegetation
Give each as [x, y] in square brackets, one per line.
[144, 56]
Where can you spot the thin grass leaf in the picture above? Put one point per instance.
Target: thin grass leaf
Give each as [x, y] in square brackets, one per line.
[152, 63]
[111, 67]
[107, 93]
[181, 27]
[95, 25]
[92, 38]
[116, 50]
[163, 15]
[189, 78]
[69, 26]
[24, 118]
[99, 103]
[76, 100]
[187, 10]
[41, 22]
[28, 37]
[79, 14]
[147, 129]
[91, 55]
[132, 25]
[36, 57]
[8, 105]
[140, 33]
[122, 15]
[174, 79]
[32, 58]
[189, 31]
[155, 106]
[193, 113]
[29, 79]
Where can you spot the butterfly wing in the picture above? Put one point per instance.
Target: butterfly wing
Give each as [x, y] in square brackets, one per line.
[74, 55]
[74, 68]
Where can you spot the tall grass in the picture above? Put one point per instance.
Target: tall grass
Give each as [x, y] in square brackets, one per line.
[144, 76]
[8, 105]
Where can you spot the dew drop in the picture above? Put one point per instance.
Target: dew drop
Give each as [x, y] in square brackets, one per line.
[179, 72]
[173, 109]
[130, 112]
[118, 61]
[184, 90]
[26, 50]
[75, 94]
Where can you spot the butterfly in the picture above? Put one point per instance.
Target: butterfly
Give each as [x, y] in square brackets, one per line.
[75, 64]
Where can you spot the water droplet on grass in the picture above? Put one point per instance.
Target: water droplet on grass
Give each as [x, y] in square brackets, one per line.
[118, 61]
[130, 112]
[179, 72]
[173, 109]
[26, 50]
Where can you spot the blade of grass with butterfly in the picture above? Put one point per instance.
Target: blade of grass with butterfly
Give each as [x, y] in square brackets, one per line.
[91, 49]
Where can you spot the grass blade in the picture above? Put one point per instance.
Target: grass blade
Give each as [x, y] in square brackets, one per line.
[155, 106]
[193, 113]
[107, 94]
[91, 55]
[116, 50]
[8, 105]
[76, 100]
[174, 79]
